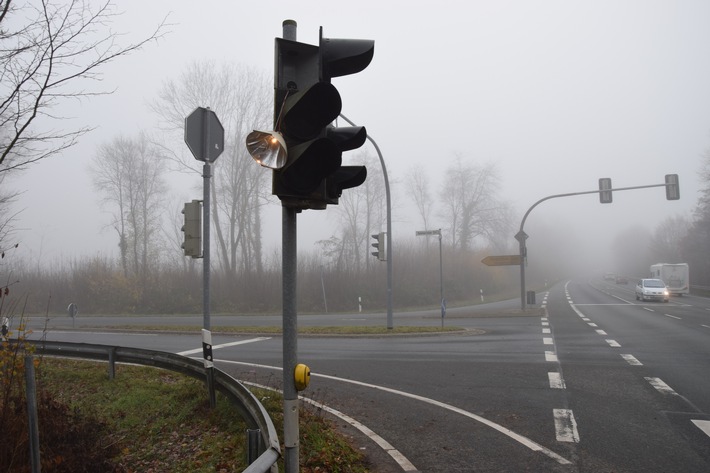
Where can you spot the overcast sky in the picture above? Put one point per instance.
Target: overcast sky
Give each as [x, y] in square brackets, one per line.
[556, 93]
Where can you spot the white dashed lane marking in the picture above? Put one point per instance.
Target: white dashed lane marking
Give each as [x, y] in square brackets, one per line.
[661, 386]
[631, 359]
[565, 426]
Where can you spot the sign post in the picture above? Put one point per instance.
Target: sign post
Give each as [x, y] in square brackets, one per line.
[441, 270]
[204, 136]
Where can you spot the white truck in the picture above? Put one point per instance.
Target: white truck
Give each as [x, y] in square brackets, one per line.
[675, 276]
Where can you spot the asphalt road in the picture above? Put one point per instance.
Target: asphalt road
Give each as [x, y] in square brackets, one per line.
[592, 381]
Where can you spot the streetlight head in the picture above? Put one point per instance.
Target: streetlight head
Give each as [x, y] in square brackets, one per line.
[268, 148]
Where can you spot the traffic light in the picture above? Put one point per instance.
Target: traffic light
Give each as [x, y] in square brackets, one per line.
[305, 105]
[379, 246]
[192, 227]
[605, 190]
[672, 187]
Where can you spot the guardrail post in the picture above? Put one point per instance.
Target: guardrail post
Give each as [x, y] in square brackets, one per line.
[112, 363]
[253, 444]
[32, 414]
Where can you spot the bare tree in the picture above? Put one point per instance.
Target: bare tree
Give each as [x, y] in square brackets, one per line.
[48, 52]
[128, 175]
[470, 203]
[418, 186]
[240, 97]
[665, 244]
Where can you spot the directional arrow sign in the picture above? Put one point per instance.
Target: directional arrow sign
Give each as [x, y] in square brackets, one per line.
[503, 260]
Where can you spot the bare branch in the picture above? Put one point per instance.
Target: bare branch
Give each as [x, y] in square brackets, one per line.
[44, 61]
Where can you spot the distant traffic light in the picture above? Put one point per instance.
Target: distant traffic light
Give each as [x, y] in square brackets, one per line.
[672, 187]
[605, 190]
[192, 227]
[379, 245]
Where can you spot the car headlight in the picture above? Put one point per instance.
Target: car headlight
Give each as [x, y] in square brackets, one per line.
[665, 293]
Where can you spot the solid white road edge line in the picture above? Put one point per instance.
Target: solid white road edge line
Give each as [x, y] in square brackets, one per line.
[396, 455]
[532, 445]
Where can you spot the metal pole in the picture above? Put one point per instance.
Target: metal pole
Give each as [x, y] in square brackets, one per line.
[441, 281]
[206, 175]
[388, 251]
[290, 320]
[290, 340]
[207, 171]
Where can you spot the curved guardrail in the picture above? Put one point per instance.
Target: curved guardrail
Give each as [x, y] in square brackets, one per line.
[248, 405]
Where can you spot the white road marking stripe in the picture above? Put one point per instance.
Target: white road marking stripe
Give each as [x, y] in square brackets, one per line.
[225, 345]
[544, 319]
[546, 330]
[660, 386]
[545, 324]
[650, 310]
[592, 324]
[565, 426]
[547, 340]
[601, 332]
[613, 343]
[532, 445]
[631, 359]
[556, 381]
[672, 316]
[703, 425]
[706, 326]
[551, 356]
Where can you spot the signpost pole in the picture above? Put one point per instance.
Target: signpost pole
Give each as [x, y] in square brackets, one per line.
[204, 135]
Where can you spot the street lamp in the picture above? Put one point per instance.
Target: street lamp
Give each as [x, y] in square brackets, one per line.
[441, 271]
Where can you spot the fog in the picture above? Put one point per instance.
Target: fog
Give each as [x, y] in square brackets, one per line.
[558, 94]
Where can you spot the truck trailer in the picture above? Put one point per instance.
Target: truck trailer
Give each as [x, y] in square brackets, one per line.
[675, 276]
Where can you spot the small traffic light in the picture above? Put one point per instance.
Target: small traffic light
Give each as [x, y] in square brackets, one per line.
[305, 105]
[672, 187]
[379, 246]
[192, 227]
[605, 190]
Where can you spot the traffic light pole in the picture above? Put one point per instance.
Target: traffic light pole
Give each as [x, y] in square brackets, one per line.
[388, 249]
[521, 236]
[289, 248]
[290, 338]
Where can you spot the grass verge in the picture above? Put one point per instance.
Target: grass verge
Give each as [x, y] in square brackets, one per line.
[148, 419]
[277, 330]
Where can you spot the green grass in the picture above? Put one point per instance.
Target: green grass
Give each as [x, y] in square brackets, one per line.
[156, 420]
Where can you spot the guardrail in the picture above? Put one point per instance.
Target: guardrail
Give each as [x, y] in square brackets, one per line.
[248, 405]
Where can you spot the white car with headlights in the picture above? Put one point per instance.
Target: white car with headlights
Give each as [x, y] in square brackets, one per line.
[651, 290]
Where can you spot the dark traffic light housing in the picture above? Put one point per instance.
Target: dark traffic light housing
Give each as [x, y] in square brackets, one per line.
[192, 228]
[605, 190]
[379, 245]
[672, 187]
[305, 105]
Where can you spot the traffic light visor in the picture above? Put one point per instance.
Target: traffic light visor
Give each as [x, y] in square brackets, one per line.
[268, 148]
